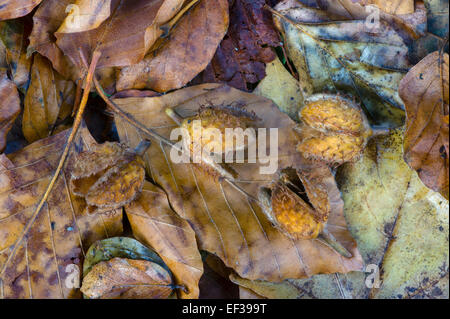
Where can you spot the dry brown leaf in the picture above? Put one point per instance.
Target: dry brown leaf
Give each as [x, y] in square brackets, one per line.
[155, 224]
[46, 21]
[48, 102]
[225, 221]
[123, 38]
[189, 49]
[127, 279]
[426, 147]
[9, 107]
[11, 9]
[45, 263]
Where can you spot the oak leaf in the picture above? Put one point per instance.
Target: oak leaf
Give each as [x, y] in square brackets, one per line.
[46, 261]
[425, 93]
[226, 222]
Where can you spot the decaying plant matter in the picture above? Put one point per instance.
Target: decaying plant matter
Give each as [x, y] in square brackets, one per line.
[343, 162]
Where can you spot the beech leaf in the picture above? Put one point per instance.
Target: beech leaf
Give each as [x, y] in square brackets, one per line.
[425, 93]
[48, 260]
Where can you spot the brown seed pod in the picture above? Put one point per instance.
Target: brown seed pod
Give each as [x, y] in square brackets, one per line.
[107, 177]
[289, 212]
[335, 130]
[220, 118]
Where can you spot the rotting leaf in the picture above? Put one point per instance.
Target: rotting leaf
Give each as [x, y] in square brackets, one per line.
[48, 102]
[127, 279]
[155, 223]
[344, 56]
[226, 222]
[61, 232]
[188, 51]
[426, 148]
[241, 57]
[9, 107]
[11, 9]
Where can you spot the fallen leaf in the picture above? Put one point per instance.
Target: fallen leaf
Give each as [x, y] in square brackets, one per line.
[189, 49]
[127, 279]
[47, 262]
[401, 228]
[282, 88]
[424, 91]
[128, 27]
[123, 247]
[11, 9]
[14, 35]
[9, 107]
[126, 256]
[155, 223]
[225, 221]
[345, 56]
[48, 101]
[46, 21]
[241, 57]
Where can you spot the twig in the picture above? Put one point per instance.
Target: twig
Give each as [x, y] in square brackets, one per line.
[76, 125]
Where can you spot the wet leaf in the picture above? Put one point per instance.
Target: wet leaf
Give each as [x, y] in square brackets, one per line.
[225, 221]
[282, 88]
[9, 107]
[127, 279]
[188, 51]
[155, 223]
[425, 93]
[241, 57]
[48, 102]
[47, 263]
[346, 56]
[11, 9]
